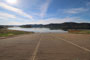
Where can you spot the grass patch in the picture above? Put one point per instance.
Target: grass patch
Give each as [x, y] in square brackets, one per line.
[79, 31]
[6, 33]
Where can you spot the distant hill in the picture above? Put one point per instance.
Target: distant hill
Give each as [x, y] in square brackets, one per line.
[1, 27]
[5, 26]
[26, 26]
[32, 25]
[70, 25]
[66, 25]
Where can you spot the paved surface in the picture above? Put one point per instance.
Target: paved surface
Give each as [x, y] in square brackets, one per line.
[46, 47]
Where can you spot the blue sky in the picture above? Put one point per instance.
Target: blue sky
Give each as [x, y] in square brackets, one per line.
[19, 12]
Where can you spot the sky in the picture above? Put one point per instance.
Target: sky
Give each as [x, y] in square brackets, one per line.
[18, 12]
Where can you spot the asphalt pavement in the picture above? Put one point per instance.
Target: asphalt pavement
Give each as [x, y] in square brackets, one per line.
[46, 46]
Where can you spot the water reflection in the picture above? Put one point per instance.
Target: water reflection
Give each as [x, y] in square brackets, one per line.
[40, 30]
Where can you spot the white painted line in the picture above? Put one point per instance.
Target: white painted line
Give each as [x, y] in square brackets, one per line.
[36, 50]
[83, 48]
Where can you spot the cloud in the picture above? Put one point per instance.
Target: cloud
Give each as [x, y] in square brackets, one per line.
[75, 10]
[17, 10]
[57, 20]
[43, 21]
[6, 15]
[88, 4]
[44, 8]
[9, 22]
[7, 19]
[10, 19]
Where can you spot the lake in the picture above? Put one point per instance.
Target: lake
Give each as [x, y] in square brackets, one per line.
[38, 30]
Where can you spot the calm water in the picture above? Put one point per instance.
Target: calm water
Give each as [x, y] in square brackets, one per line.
[38, 30]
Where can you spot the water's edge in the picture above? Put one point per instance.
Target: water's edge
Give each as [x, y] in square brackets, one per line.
[38, 30]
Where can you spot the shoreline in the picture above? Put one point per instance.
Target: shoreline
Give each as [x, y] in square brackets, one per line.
[6, 33]
[79, 31]
[43, 33]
